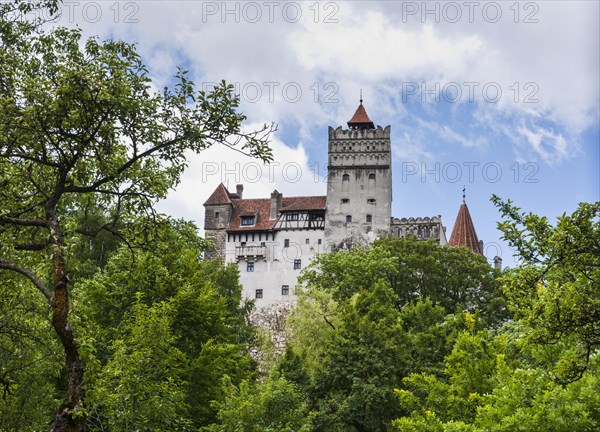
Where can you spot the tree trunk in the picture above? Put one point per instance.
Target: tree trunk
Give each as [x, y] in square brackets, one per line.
[65, 421]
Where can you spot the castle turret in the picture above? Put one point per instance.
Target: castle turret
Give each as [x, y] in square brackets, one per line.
[359, 181]
[463, 233]
[217, 214]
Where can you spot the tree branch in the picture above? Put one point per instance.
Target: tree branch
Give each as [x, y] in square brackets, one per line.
[30, 275]
[23, 222]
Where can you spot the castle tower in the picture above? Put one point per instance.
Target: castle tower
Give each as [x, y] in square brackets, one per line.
[217, 214]
[463, 233]
[359, 182]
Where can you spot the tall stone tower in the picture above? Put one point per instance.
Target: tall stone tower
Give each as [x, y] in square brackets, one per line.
[217, 215]
[359, 182]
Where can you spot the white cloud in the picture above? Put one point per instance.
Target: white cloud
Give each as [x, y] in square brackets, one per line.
[550, 146]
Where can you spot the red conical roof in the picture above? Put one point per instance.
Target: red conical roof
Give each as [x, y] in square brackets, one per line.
[361, 119]
[463, 233]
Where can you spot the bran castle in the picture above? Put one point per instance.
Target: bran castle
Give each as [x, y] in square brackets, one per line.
[272, 239]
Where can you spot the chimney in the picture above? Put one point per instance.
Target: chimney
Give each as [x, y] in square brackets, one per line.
[239, 190]
[481, 247]
[497, 263]
[276, 199]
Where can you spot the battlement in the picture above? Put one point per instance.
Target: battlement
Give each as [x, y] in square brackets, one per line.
[378, 133]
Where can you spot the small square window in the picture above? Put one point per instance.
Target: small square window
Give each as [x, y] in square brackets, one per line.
[348, 218]
[307, 241]
[285, 290]
[263, 244]
[217, 215]
[250, 267]
[372, 176]
[243, 244]
[286, 243]
[346, 177]
[345, 200]
[297, 264]
[259, 294]
[369, 218]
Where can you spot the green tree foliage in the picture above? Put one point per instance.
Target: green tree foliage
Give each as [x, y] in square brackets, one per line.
[142, 387]
[555, 292]
[490, 385]
[29, 361]
[366, 320]
[364, 361]
[273, 406]
[454, 278]
[81, 127]
[540, 370]
[168, 301]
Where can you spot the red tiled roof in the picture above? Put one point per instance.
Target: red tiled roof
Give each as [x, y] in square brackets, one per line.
[304, 203]
[219, 197]
[262, 209]
[463, 233]
[247, 207]
[360, 118]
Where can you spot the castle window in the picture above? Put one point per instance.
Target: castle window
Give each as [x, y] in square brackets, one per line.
[250, 267]
[259, 294]
[286, 243]
[285, 290]
[348, 218]
[371, 201]
[319, 241]
[297, 264]
[307, 241]
[243, 244]
[292, 216]
[345, 201]
[317, 217]
[247, 220]
[217, 214]
[372, 176]
[369, 218]
[346, 177]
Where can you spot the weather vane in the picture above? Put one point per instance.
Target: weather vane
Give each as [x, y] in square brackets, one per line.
[464, 188]
[360, 95]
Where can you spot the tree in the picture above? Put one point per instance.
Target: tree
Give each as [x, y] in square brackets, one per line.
[363, 363]
[29, 361]
[142, 387]
[80, 126]
[203, 335]
[538, 371]
[273, 406]
[555, 291]
[452, 277]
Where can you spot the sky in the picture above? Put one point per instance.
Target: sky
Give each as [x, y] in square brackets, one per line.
[496, 97]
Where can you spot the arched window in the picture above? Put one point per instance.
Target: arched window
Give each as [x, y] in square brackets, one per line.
[372, 176]
[346, 177]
